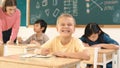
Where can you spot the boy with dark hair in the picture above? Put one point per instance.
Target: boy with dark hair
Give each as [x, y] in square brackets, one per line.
[39, 37]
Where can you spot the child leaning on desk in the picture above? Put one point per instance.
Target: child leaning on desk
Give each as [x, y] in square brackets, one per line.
[94, 36]
[65, 45]
[39, 37]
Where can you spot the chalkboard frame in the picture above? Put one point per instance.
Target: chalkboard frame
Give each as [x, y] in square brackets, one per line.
[79, 25]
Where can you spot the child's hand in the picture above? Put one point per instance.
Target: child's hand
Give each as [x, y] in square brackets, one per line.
[37, 51]
[86, 44]
[10, 42]
[45, 51]
[34, 42]
[19, 40]
[1, 42]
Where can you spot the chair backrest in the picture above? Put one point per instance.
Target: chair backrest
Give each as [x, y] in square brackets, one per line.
[93, 51]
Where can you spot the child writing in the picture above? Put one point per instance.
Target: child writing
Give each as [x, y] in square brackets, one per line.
[94, 36]
[39, 38]
[65, 45]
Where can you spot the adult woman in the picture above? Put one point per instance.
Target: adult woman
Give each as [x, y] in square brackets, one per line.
[9, 21]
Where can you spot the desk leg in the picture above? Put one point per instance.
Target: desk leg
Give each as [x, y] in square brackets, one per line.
[104, 61]
[114, 60]
[118, 60]
[78, 65]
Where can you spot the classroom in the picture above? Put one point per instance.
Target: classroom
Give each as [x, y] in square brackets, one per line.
[112, 28]
[103, 12]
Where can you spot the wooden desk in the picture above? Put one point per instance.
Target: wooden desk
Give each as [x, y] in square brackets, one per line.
[103, 56]
[1, 50]
[106, 56]
[15, 61]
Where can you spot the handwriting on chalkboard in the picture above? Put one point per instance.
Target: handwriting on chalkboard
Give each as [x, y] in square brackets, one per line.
[84, 11]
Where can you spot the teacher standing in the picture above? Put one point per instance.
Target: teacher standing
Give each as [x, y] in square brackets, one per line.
[9, 21]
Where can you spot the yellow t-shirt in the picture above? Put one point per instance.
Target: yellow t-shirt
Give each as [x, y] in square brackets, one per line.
[75, 45]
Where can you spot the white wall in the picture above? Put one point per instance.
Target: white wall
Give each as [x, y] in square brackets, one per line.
[25, 32]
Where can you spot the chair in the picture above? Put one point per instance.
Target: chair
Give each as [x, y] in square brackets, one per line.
[106, 56]
[93, 56]
[99, 56]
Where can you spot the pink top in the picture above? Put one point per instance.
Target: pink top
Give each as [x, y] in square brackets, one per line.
[7, 22]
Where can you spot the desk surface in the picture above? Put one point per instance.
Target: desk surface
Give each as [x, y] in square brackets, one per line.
[44, 62]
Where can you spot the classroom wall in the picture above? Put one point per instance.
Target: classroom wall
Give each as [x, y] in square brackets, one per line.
[25, 32]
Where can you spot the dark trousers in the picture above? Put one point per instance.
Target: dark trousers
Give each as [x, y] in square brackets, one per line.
[6, 35]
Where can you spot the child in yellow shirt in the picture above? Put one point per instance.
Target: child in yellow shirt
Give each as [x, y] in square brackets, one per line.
[65, 45]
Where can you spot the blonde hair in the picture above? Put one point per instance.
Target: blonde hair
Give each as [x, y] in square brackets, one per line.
[65, 15]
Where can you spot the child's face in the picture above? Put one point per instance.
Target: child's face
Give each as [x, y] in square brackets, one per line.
[66, 26]
[93, 37]
[37, 28]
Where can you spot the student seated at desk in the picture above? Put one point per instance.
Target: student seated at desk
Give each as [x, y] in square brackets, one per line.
[39, 38]
[65, 45]
[94, 36]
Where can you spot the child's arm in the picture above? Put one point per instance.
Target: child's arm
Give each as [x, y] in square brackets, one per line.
[20, 40]
[86, 44]
[45, 48]
[107, 46]
[27, 41]
[78, 55]
[35, 42]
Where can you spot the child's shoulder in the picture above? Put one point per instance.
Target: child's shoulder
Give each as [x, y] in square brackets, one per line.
[104, 35]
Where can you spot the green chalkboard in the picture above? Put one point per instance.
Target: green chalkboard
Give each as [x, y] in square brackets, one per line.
[21, 4]
[105, 12]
